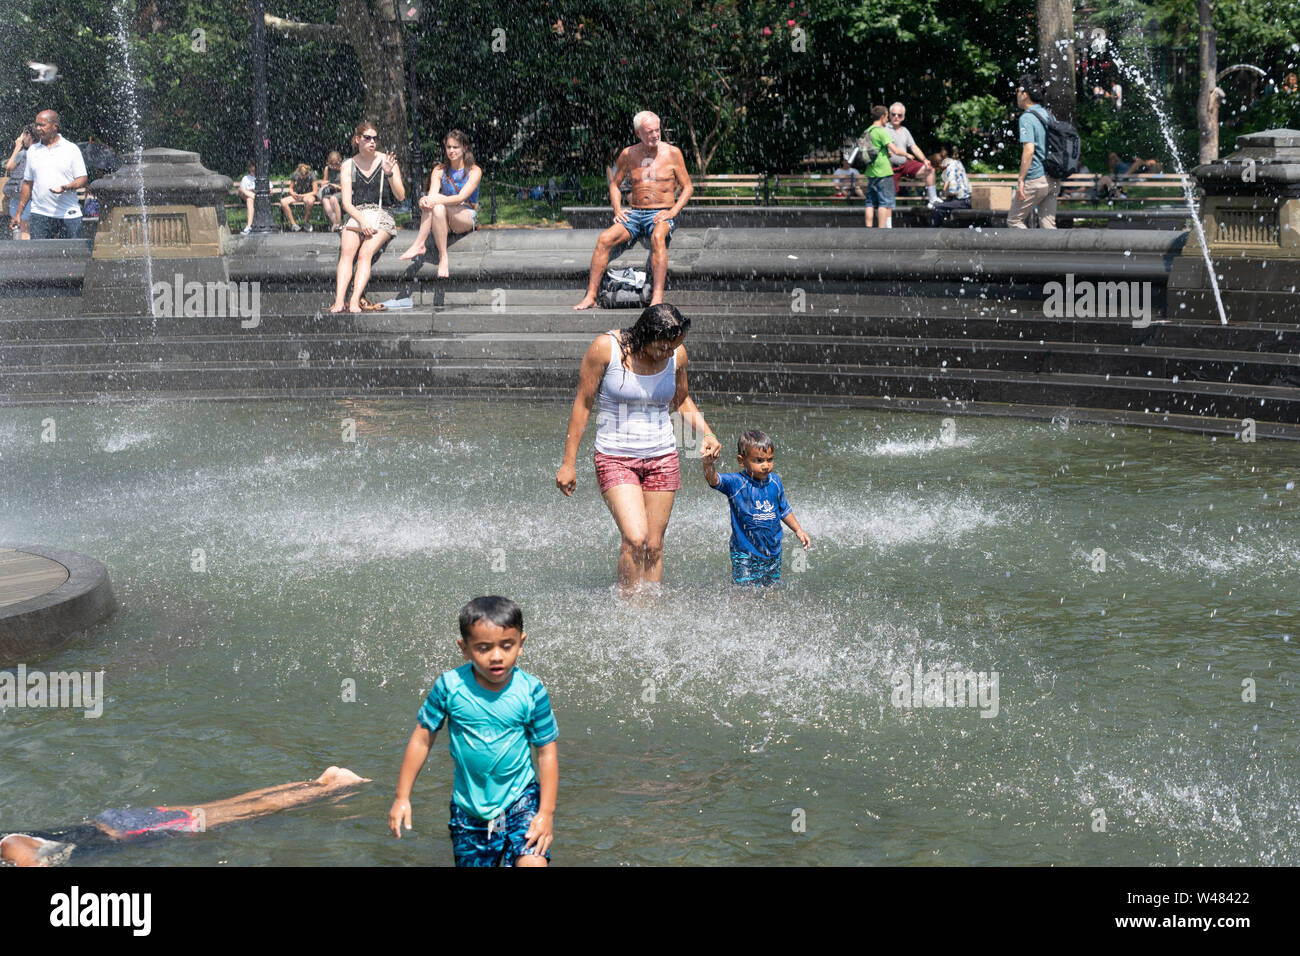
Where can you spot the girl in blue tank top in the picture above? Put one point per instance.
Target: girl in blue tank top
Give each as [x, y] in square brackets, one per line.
[451, 204]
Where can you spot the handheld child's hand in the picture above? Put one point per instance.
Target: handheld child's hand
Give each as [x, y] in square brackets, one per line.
[538, 838]
[397, 816]
[566, 479]
[710, 447]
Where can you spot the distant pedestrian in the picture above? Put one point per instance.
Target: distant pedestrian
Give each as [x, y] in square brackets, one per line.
[16, 165]
[912, 162]
[302, 191]
[1033, 187]
[848, 184]
[55, 171]
[880, 174]
[247, 192]
[330, 188]
[954, 187]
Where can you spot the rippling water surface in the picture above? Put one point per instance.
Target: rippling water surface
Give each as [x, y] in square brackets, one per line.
[701, 724]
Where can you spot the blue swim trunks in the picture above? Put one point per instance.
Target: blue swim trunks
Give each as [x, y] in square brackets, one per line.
[138, 821]
[641, 222]
[749, 568]
[496, 842]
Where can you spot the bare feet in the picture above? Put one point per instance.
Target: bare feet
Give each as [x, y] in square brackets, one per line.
[337, 307]
[444, 272]
[588, 302]
[412, 252]
[340, 777]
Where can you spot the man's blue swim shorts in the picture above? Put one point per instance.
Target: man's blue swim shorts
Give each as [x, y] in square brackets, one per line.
[496, 842]
[641, 222]
[749, 568]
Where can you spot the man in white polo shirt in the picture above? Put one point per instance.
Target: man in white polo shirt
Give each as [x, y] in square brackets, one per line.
[55, 171]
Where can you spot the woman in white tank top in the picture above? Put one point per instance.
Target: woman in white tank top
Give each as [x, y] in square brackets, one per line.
[636, 378]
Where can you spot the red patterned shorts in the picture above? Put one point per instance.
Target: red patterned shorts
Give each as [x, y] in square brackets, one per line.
[652, 474]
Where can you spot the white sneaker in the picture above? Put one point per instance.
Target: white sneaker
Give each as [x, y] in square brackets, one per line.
[296, 228]
[309, 227]
[933, 203]
[246, 230]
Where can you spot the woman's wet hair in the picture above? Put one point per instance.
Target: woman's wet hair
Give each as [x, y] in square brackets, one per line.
[501, 611]
[658, 323]
[753, 439]
[466, 152]
[334, 157]
[302, 171]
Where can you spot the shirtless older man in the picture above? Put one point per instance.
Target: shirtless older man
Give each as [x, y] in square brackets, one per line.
[658, 172]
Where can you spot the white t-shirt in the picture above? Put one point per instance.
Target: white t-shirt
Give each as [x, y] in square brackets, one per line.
[249, 183]
[49, 166]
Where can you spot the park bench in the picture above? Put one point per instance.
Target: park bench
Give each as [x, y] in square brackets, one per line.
[731, 188]
[994, 190]
[279, 189]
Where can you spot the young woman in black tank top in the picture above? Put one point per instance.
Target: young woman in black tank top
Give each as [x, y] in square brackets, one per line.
[372, 183]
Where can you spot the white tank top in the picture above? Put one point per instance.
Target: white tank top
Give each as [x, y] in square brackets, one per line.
[632, 418]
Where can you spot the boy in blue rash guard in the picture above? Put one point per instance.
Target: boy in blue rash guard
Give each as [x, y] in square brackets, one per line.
[502, 811]
[758, 507]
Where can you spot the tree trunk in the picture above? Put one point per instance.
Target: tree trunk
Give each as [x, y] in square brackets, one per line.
[374, 32]
[1056, 56]
[1207, 104]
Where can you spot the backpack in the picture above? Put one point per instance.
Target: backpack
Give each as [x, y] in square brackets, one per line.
[1061, 159]
[862, 153]
[624, 288]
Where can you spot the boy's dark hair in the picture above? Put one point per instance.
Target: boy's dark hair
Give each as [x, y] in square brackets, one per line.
[754, 438]
[877, 112]
[1033, 87]
[502, 612]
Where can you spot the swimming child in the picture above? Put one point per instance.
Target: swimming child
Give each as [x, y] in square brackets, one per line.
[758, 507]
[502, 811]
[115, 828]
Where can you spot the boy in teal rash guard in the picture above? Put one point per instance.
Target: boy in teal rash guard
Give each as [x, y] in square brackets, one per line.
[758, 509]
[502, 811]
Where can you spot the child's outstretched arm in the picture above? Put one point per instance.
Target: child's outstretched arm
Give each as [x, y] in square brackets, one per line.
[417, 751]
[539, 833]
[791, 522]
[710, 472]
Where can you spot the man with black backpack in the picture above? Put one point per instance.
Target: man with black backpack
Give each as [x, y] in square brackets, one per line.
[1035, 187]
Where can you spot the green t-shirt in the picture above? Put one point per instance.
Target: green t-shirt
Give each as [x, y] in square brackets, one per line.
[880, 139]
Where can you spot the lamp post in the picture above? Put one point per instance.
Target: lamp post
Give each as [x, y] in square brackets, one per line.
[262, 221]
[409, 11]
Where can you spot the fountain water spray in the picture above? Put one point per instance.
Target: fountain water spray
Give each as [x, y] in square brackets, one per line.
[1146, 81]
[127, 91]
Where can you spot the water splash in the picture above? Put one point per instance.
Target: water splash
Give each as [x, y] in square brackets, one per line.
[127, 91]
[1145, 79]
